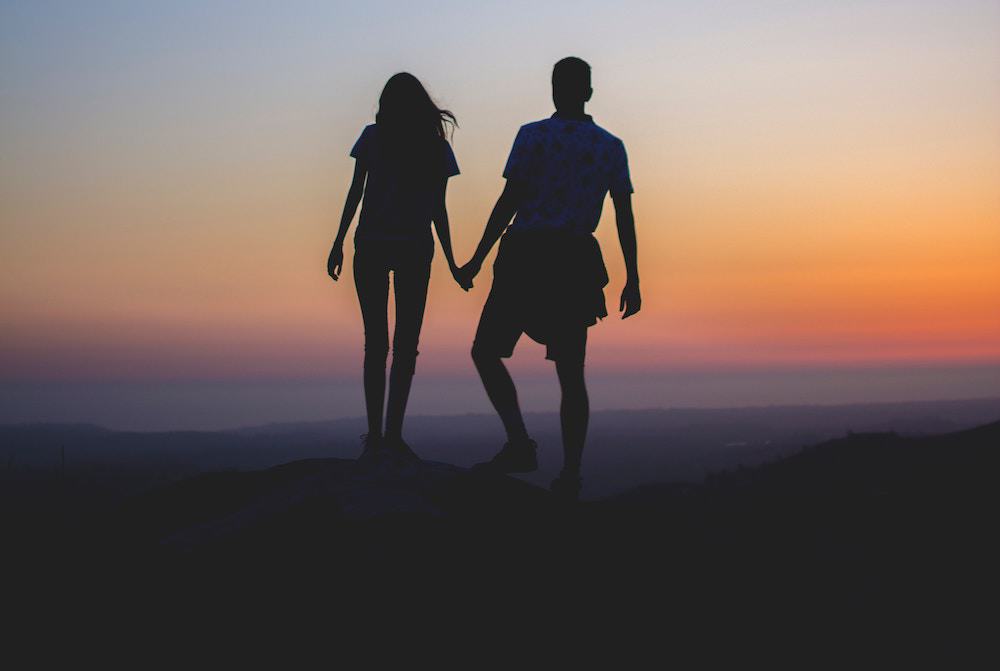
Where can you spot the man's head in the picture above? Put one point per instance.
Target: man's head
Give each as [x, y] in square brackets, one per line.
[571, 83]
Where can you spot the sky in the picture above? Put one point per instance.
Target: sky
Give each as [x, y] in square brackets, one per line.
[817, 199]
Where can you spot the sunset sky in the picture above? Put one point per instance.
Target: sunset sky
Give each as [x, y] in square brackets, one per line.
[817, 188]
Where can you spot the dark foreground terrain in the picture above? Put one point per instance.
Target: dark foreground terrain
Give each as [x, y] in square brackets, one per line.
[871, 529]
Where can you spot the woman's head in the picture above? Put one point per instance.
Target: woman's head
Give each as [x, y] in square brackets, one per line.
[406, 107]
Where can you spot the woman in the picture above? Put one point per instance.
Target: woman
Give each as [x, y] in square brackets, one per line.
[403, 162]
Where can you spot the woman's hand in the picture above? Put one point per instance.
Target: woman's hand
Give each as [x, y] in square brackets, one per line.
[467, 273]
[335, 264]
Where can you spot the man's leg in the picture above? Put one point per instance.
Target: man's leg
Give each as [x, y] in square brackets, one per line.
[574, 413]
[519, 453]
[569, 352]
[502, 393]
[496, 337]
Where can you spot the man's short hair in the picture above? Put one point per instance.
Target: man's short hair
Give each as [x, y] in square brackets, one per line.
[571, 74]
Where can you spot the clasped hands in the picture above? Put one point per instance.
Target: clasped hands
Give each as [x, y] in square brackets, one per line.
[467, 273]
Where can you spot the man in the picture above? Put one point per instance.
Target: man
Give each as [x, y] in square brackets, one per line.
[549, 276]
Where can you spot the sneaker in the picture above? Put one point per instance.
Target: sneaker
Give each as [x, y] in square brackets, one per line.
[372, 448]
[567, 487]
[519, 457]
[398, 449]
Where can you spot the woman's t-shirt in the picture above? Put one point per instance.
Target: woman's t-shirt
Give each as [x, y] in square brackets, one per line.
[398, 204]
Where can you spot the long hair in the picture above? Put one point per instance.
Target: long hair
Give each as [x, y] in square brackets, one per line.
[410, 124]
[406, 106]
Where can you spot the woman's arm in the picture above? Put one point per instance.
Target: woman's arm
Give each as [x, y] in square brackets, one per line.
[335, 263]
[443, 229]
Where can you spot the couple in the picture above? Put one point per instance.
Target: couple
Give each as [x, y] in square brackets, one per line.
[548, 277]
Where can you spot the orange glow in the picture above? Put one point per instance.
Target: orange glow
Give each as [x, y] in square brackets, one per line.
[799, 201]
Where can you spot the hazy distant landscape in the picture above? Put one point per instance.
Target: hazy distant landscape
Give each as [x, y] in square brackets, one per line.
[210, 405]
[625, 448]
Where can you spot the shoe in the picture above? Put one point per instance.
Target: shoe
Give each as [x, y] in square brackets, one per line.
[399, 450]
[372, 448]
[567, 487]
[519, 457]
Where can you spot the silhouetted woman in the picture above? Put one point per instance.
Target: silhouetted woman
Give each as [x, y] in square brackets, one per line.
[403, 162]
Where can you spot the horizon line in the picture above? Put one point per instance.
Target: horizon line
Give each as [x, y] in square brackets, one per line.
[360, 418]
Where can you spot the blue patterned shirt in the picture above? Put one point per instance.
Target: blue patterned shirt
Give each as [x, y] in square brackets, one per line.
[568, 165]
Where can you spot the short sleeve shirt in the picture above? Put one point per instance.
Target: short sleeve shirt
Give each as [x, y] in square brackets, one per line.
[395, 208]
[568, 166]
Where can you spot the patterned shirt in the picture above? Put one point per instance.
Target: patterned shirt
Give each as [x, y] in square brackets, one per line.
[568, 166]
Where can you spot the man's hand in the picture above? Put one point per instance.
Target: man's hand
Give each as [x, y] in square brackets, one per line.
[467, 273]
[335, 264]
[631, 300]
[463, 281]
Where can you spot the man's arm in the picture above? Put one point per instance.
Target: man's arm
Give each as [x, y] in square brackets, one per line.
[503, 212]
[631, 300]
[335, 262]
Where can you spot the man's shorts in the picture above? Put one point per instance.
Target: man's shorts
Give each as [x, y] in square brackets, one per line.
[548, 286]
[501, 326]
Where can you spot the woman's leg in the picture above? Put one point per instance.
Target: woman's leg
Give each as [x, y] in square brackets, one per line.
[410, 281]
[371, 277]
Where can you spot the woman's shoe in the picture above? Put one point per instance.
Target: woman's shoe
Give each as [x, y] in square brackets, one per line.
[396, 448]
[372, 448]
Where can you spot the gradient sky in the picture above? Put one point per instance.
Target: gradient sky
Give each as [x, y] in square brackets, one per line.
[817, 183]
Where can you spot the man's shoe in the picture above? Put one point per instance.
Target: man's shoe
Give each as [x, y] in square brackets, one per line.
[567, 487]
[396, 448]
[515, 457]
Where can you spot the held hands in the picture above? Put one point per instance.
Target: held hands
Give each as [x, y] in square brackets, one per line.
[461, 278]
[467, 273]
[631, 300]
[335, 264]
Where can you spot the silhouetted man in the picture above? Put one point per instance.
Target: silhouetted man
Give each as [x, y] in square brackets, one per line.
[549, 276]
